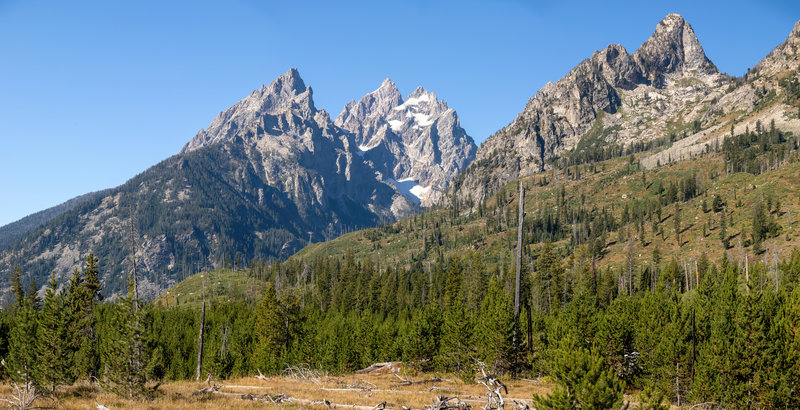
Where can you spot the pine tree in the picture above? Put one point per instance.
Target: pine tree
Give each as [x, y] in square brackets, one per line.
[455, 327]
[269, 331]
[16, 287]
[52, 347]
[494, 330]
[424, 335]
[586, 383]
[80, 302]
[550, 274]
[122, 353]
[22, 357]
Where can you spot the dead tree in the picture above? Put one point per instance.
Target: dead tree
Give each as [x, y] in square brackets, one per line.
[22, 395]
[444, 402]
[493, 388]
[200, 336]
[519, 259]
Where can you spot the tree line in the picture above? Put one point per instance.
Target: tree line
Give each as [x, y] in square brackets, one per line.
[726, 334]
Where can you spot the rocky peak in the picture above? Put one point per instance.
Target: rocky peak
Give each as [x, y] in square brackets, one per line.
[366, 115]
[288, 92]
[417, 143]
[617, 66]
[672, 49]
[784, 57]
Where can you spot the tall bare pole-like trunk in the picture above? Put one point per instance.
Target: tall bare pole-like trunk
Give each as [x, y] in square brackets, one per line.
[137, 342]
[519, 261]
[133, 262]
[200, 336]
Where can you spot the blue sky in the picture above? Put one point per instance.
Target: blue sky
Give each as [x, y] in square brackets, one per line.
[92, 93]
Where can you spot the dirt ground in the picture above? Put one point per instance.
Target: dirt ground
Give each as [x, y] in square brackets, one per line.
[301, 390]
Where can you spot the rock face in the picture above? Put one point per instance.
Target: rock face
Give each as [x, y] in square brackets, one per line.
[672, 50]
[784, 59]
[269, 174]
[635, 95]
[300, 151]
[417, 145]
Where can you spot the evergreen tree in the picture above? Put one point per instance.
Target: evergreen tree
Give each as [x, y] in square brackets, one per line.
[424, 335]
[22, 355]
[16, 287]
[495, 328]
[122, 354]
[52, 346]
[586, 383]
[550, 275]
[456, 325]
[269, 332]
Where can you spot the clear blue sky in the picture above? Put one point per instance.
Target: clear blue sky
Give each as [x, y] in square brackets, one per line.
[92, 93]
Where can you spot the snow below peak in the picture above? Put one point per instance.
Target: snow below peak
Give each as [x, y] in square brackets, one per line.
[410, 188]
[419, 191]
[415, 101]
[423, 120]
[363, 149]
[395, 124]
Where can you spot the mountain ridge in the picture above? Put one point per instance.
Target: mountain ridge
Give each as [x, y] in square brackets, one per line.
[658, 91]
[270, 174]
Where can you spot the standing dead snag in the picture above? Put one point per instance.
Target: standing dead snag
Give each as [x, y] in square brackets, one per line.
[493, 387]
[200, 336]
[519, 263]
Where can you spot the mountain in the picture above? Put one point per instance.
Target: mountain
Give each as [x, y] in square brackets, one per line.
[417, 144]
[638, 169]
[666, 88]
[16, 230]
[268, 175]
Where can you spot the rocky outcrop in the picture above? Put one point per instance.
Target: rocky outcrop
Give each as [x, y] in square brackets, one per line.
[417, 145]
[668, 76]
[672, 50]
[784, 59]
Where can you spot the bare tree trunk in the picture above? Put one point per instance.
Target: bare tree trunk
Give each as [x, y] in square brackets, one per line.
[519, 264]
[133, 262]
[200, 336]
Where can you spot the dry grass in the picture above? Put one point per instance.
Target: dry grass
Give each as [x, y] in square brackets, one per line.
[360, 390]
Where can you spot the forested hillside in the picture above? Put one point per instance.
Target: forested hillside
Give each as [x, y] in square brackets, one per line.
[681, 281]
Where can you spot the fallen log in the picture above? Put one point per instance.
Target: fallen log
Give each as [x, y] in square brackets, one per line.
[381, 368]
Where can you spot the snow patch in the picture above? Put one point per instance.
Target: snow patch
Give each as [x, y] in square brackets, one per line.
[423, 119]
[417, 100]
[419, 191]
[414, 101]
[395, 124]
[363, 149]
[410, 188]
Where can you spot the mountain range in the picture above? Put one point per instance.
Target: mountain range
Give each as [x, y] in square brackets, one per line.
[668, 88]
[267, 176]
[273, 173]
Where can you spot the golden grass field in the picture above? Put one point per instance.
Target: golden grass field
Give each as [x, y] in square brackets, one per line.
[352, 391]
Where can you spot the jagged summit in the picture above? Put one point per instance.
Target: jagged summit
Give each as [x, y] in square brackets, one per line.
[287, 92]
[611, 84]
[416, 143]
[673, 48]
